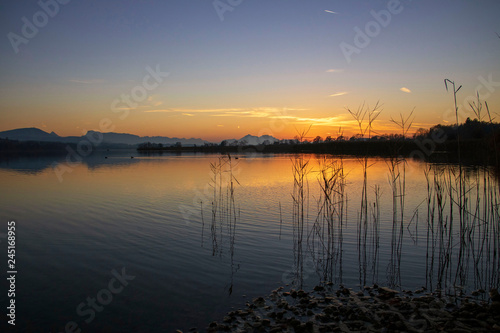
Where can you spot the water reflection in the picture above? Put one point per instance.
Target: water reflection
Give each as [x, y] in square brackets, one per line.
[462, 234]
[96, 160]
[39, 163]
[263, 222]
[326, 237]
[463, 228]
[26, 164]
[224, 211]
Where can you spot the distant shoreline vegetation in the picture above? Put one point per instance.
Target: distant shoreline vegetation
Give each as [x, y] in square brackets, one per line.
[479, 143]
[16, 147]
[10, 147]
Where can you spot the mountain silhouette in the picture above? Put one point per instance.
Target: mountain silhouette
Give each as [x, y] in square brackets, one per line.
[29, 134]
[36, 134]
[253, 140]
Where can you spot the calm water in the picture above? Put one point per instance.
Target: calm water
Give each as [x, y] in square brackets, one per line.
[151, 216]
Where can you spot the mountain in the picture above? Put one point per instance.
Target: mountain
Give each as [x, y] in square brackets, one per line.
[129, 139]
[29, 134]
[257, 140]
[253, 140]
[35, 134]
[124, 138]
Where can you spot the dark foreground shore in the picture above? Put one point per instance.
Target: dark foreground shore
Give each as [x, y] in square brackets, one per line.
[375, 309]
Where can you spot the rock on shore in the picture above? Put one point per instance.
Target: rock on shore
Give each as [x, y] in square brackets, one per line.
[375, 309]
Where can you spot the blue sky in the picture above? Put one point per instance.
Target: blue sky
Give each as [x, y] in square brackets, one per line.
[266, 60]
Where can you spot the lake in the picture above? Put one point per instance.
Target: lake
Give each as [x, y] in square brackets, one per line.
[156, 243]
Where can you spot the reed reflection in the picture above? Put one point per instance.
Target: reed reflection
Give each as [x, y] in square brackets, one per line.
[462, 234]
[224, 211]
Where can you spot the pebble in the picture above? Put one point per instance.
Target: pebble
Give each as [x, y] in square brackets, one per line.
[319, 288]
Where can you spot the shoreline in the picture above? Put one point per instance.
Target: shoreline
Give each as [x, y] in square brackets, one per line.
[373, 309]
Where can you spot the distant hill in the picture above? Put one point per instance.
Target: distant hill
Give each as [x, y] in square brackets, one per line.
[252, 140]
[29, 134]
[135, 139]
[36, 134]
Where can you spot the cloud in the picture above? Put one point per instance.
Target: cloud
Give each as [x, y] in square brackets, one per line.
[259, 112]
[298, 116]
[406, 90]
[207, 110]
[191, 111]
[342, 93]
[250, 113]
[331, 12]
[344, 121]
[334, 70]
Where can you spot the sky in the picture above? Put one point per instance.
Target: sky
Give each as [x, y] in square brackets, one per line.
[226, 68]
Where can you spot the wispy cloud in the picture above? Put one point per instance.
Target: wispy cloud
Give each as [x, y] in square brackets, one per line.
[260, 112]
[192, 111]
[342, 93]
[406, 90]
[341, 120]
[334, 70]
[297, 116]
[331, 12]
[208, 110]
[250, 113]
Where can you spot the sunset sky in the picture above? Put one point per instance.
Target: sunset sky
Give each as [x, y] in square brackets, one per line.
[240, 67]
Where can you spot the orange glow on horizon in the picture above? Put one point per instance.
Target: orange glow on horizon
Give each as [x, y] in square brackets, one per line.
[219, 123]
[216, 133]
